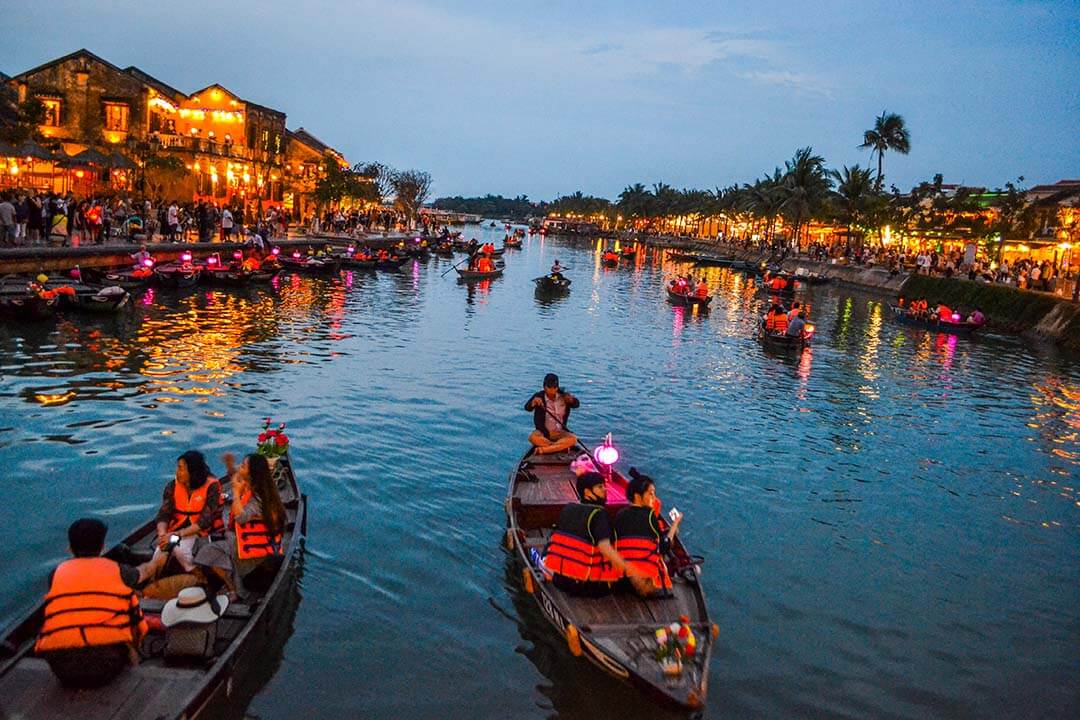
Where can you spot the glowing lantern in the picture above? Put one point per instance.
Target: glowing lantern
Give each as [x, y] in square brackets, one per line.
[808, 330]
[185, 256]
[296, 254]
[212, 260]
[956, 317]
[351, 250]
[80, 174]
[606, 454]
[238, 255]
[276, 251]
[148, 262]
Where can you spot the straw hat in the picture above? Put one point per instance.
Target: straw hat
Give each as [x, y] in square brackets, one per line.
[192, 605]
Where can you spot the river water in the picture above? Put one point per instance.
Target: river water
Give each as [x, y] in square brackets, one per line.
[891, 520]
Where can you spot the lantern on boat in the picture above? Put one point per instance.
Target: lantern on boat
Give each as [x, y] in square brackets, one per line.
[212, 260]
[606, 454]
[296, 254]
[956, 317]
[238, 255]
[148, 262]
[185, 257]
[275, 251]
[351, 250]
[808, 331]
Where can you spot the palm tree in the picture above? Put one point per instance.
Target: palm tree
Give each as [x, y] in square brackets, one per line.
[806, 188]
[889, 133]
[854, 193]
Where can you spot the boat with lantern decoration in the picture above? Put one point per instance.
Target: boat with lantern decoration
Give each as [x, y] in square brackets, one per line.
[390, 264]
[958, 326]
[183, 274]
[785, 342]
[308, 265]
[475, 275]
[22, 300]
[687, 300]
[249, 631]
[623, 634]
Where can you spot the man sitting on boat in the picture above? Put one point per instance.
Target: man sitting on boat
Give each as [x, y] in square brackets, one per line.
[141, 257]
[796, 324]
[641, 538]
[92, 622]
[551, 410]
[776, 321]
[702, 290]
[778, 283]
[580, 555]
[611, 256]
[976, 317]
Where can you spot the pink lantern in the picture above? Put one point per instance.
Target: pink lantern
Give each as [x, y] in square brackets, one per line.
[148, 262]
[238, 255]
[185, 256]
[296, 254]
[606, 454]
[212, 260]
[276, 251]
[351, 250]
[956, 317]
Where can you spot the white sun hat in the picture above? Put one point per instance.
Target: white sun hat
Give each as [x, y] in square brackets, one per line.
[192, 605]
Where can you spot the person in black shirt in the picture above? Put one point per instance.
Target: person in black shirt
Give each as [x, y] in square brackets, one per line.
[551, 411]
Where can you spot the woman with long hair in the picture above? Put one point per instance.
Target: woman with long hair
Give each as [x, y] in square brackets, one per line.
[256, 525]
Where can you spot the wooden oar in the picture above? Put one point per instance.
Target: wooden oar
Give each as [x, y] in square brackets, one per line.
[452, 267]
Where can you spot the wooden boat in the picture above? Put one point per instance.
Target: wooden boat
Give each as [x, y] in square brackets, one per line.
[783, 341]
[609, 262]
[813, 278]
[156, 689]
[444, 250]
[173, 275]
[615, 632]
[99, 300]
[474, 275]
[933, 322]
[550, 284]
[678, 256]
[712, 261]
[418, 251]
[511, 242]
[787, 292]
[687, 300]
[129, 278]
[629, 254]
[392, 264]
[238, 277]
[26, 306]
[355, 263]
[311, 265]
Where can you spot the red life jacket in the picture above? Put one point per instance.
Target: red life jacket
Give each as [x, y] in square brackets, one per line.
[572, 552]
[188, 507]
[88, 605]
[780, 322]
[637, 536]
[253, 538]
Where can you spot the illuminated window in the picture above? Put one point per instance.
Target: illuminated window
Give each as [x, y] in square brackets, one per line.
[116, 117]
[52, 112]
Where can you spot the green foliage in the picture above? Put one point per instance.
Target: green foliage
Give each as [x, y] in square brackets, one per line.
[497, 206]
[580, 204]
[22, 125]
[889, 133]
[337, 183]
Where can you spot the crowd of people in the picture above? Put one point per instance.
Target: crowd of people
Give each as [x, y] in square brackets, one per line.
[29, 218]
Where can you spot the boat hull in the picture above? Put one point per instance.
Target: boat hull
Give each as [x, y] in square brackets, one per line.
[963, 328]
[688, 300]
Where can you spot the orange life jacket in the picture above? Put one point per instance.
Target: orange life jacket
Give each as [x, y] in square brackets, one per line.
[779, 323]
[253, 538]
[87, 605]
[702, 291]
[778, 283]
[572, 552]
[188, 507]
[638, 541]
[944, 313]
[251, 264]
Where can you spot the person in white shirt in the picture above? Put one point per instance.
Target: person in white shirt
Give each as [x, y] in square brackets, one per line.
[226, 224]
[172, 222]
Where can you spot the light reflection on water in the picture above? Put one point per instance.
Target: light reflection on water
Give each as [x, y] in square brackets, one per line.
[890, 517]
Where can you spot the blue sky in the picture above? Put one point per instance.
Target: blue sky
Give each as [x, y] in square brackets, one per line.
[545, 98]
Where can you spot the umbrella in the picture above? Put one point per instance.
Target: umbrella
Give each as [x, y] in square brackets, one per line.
[121, 162]
[89, 156]
[31, 149]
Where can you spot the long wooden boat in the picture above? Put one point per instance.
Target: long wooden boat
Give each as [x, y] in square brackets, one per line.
[154, 689]
[311, 265]
[173, 275]
[788, 291]
[354, 263]
[99, 300]
[687, 300]
[26, 306]
[933, 322]
[392, 264]
[616, 632]
[129, 278]
[610, 262]
[237, 277]
[678, 256]
[511, 242]
[473, 275]
[711, 261]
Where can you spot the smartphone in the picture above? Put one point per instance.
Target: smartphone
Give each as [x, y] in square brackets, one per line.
[674, 514]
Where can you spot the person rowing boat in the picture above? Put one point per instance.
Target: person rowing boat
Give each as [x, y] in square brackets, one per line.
[551, 411]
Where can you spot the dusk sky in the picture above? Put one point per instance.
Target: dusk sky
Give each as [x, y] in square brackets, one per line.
[548, 98]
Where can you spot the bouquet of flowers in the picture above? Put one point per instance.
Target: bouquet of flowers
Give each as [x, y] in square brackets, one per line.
[273, 442]
[674, 644]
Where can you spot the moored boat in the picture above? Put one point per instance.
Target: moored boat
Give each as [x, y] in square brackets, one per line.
[786, 292]
[176, 275]
[933, 322]
[27, 305]
[311, 265]
[783, 341]
[617, 632]
[155, 688]
[102, 300]
[390, 264]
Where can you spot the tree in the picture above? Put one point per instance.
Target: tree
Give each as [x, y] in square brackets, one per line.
[164, 175]
[336, 183]
[806, 188]
[22, 124]
[854, 195]
[382, 176]
[889, 133]
[411, 189]
[1015, 216]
